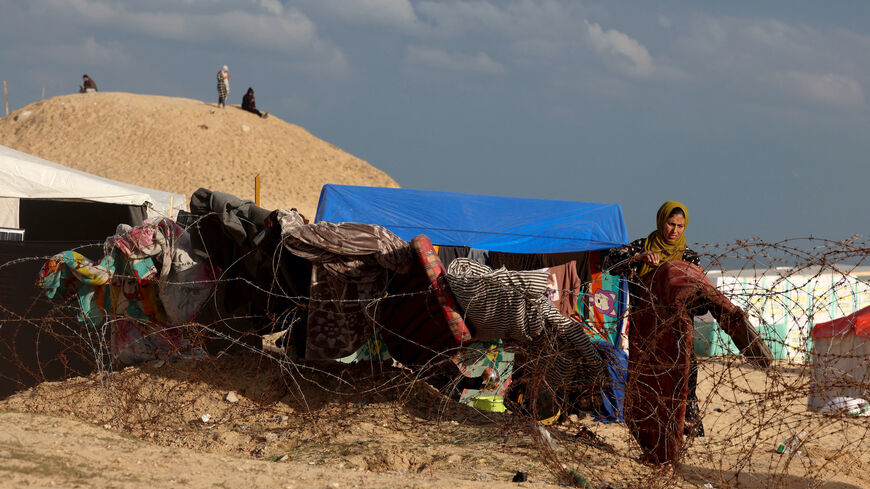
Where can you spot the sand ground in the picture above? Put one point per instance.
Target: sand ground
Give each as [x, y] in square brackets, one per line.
[323, 425]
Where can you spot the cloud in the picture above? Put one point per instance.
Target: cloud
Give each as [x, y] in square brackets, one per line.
[87, 52]
[397, 13]
[452, 18]
[550, 19]
[665, 21]
[436, 58]
[828, 89]
[274, 7]
[626, 52]
[261, 24]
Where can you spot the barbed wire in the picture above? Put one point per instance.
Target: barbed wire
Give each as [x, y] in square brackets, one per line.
[763, 427]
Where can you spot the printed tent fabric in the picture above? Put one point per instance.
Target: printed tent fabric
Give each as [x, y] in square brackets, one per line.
[146, 283]
[484, 222]
[512, 305]
[840, 368]
[350, 264]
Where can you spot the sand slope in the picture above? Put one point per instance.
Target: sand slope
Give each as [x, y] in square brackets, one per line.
[178, 145]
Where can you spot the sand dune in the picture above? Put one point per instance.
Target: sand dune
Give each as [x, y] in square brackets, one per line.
[178, 145]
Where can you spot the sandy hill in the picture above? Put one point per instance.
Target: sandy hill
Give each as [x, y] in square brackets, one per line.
[179, 145]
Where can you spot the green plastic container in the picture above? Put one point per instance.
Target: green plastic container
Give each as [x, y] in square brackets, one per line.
[489, 403]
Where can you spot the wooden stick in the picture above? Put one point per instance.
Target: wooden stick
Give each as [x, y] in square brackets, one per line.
[43, 94]
[257, 190]
[6, 97]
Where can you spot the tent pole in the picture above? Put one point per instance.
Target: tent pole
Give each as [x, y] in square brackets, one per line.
[43, 94]
[6, 97]
[257, 190]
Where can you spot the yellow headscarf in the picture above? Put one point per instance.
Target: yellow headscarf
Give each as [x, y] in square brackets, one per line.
[656, 239]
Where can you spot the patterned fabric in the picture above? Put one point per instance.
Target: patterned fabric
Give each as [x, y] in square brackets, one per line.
[436, 272]
[499, 304]
[616, 262]
[185, 282]
[223, 85]
[510, 305]
[72, 273]
[350, 263]
[145, 285]
[603, 304]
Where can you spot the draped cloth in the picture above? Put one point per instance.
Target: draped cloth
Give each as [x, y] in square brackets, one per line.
[512, 305]
[147, 284]
[350, 266]
[660, 352]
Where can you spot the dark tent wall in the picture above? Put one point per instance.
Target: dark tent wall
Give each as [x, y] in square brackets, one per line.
[46, 220]
[40, 339]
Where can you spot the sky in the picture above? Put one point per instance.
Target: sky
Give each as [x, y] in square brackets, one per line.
[753, 114]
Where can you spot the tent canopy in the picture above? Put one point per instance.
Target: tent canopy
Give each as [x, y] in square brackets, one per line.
[858, 321]
[25, 176]
[506, 224]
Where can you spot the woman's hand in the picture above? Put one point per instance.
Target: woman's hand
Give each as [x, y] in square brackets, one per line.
[650, 257]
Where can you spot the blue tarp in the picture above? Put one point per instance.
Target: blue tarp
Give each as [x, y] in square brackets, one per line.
[506, 224]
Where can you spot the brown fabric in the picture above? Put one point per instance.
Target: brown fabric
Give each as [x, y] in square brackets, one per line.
[568, 283]
[350, 263]
[661, 348]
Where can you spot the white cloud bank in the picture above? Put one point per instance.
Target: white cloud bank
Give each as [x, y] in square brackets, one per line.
[619, 48]
[260, 24]
[829, 89]
[435, 58]
[394, 13]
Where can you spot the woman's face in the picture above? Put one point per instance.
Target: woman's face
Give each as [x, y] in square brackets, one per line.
[674, 227]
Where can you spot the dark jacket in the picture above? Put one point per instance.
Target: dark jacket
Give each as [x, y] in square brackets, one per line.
[248, 102]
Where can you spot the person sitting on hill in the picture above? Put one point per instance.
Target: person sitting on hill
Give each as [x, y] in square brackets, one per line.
[250, 104]
[88, 85]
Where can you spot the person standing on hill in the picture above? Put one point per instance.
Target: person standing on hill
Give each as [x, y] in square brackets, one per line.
[223, 85]
[88, 85]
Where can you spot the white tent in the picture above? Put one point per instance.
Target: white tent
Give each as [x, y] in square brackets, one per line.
[841, 371]
[24, 176]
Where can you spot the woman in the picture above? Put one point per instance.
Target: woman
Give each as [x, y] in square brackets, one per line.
[223, 85]
[668, 288]
[249, 103]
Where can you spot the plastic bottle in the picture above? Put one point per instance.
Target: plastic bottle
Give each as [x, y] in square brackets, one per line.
[792, 444]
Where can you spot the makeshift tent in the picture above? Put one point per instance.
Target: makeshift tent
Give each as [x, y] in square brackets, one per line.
[497, 224]
[58, 209]
[506, 224]
[841, 370]
[53, 202]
